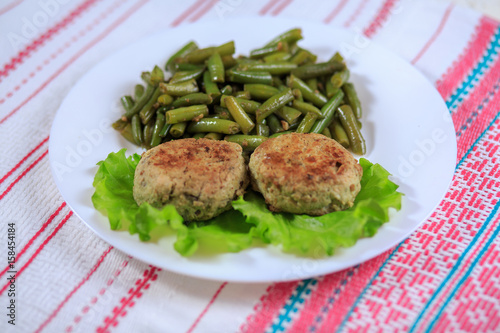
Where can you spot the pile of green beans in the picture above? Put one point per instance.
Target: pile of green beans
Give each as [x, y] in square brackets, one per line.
[209, 92]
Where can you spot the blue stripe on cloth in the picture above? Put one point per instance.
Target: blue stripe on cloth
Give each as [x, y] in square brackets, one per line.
[469, 270]
[291, 306]
[473, 78]
[477, 140]
[456, 266]
[360, 296]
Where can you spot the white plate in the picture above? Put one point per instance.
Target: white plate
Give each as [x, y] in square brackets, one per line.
[406, 125]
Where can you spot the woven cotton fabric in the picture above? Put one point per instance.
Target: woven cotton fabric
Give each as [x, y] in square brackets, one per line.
[444, 278]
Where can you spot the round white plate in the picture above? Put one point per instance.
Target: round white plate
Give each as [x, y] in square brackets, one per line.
[406, 125]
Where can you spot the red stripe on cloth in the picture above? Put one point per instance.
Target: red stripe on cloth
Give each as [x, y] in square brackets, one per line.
[281, 7]
[78, 286]
[203, 10]
[317, 306]
[212, 300]
[434, 35]
[86, 307]
[87, 47]
[343, 305]
[37, 252]
[28, 169]
[10, 6]
[186, 13]
[268, 307]
[356, 13]
[268, 7]
[11, 171]
[335, 11]
[34, 45]
[134, 292]
[380, 18]
[74, 39]
[474, 51]
[30, 242]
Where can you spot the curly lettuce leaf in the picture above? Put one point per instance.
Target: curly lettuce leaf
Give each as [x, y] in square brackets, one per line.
[249, 222]
[319, 235]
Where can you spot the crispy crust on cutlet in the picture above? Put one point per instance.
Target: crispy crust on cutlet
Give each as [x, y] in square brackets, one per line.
[305, 174]
[200, 177]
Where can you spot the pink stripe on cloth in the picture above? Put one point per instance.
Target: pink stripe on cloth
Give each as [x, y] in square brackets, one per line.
[10, 6]
[203, 10]
[434, 35]
[380, 18]
[29, 49]
[75, 38]
[356, 13]
[37, 252]
[281, 7]
[82, 51]
[31, 152]
[268, 307]
[37, 234]
[476, 48]
[268, 7]
[185, 14]
[128, 301]
[74, 290]
[212, 300]
[335, 11]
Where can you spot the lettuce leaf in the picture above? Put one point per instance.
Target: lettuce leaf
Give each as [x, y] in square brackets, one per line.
[250, 222]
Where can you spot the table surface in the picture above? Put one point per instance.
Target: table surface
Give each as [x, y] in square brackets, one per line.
[444, 277]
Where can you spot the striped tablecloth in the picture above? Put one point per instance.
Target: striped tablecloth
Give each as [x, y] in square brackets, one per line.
[444, 277]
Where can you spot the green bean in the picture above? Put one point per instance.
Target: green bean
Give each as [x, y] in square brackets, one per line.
[137, 131]
[297, 94]
[328, 111]
[200, 55]
[352, 99]
[249, 77]
[177, 130]
[138, 91]
[186, 113]
[312, 96]
[289, 114]
[214, 125]
[157, 76]
[290, 36]
[242, 94]
[179, 89]
[330, 89]
[338, 133]
[183, 76]
[275, 135]
[274, 103]
[260, 91]
[319, 69]
[192, 99]
[127, 102]
[278, 83]
[227, 90]
[182, 52]
[141, 102]
[277, 56]
[349, 122]
[239, 115]
[312, 83]
[199, 135]
[247, 142]
[337, 57]
[307, 123]
[165, 130]
[159, 123]
[213, 136]
[268, 50]
[275, 68]
[274, 124]
[148, 110]
[165, 99]
[183, 67]
[215, 68]
[228, 61]
[262, 129]
[326, 132]
[148, 134]
[211, 88]
[126, 132]
[248, 105]
[305, 108]
[300, 57]
[339, 78]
